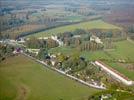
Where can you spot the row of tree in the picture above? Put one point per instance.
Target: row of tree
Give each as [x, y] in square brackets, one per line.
[35, 43]
[90, 46]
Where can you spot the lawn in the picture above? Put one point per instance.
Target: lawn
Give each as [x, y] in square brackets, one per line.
[122, 69]
[95, 55]
[90, 55]
[24, 79]
[123, 50]
[65, 50]
[96, 24]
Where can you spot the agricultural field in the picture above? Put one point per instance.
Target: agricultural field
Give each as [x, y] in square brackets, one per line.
[96, 24]
[73, 18]
[124, 51]
[24, 79]
[13, 32]
[123, 68]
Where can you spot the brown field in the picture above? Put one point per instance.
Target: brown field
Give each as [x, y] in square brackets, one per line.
[122, 16]
[13, 32]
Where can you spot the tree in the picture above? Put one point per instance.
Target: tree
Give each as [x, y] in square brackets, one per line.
[61, 57]
[42, 54]
[131, 29]
[77, 41]
[51, 43]
[33, 43]
[79, 32]
[67, 41]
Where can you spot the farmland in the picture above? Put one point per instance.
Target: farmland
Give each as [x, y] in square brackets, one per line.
[124, 50]
[122, 69]
[96, 24]
[66, 50]
[22, 78]
[22, 29]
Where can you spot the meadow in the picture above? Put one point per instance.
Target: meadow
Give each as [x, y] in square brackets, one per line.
[96, 24]
[122, 68]
[124, 50]
[23, 79]
[90, 55]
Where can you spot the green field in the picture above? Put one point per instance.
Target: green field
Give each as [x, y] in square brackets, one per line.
[97, 24]
[24, 79]
[90, 55]
[95, 55]
[65, 50]
[122, 69]
[73, 18]
[124, 50]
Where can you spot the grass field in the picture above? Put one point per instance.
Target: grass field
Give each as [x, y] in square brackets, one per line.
[95, 55]
[124, 50]
[90, 55]
[122, 69]
[97, 24]
[73, 18]
[65, 50]
[24, 79]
